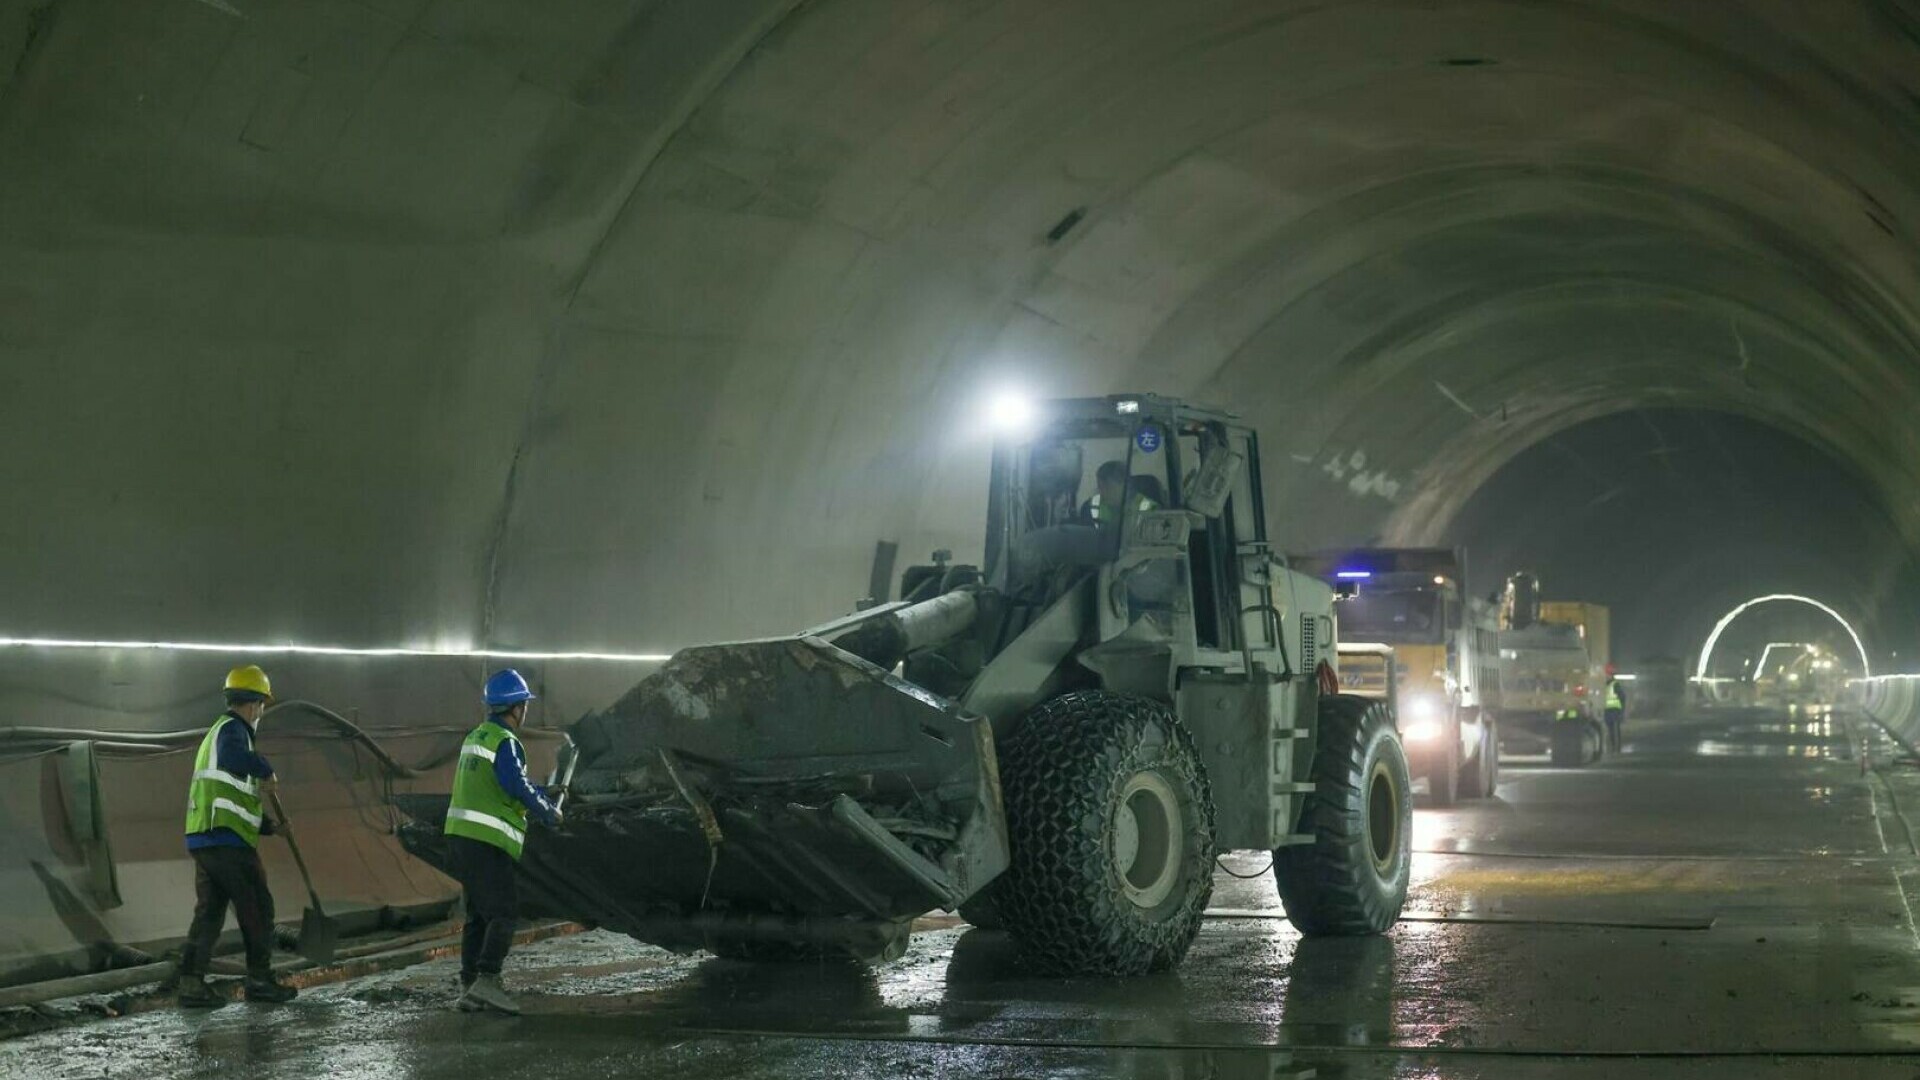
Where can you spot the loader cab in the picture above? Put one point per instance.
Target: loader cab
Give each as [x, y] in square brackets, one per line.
[1169, 556]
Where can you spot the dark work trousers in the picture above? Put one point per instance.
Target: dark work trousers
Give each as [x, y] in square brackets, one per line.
[222, 876]
[1616, 718]
[486, 873]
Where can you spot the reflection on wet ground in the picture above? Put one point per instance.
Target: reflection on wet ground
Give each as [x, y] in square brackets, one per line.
[1739, 914]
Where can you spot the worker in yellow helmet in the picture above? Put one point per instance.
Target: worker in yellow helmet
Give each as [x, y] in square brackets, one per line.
[225, 821]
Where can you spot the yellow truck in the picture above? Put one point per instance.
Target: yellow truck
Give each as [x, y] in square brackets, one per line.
[1415, 636]
[1555, 656]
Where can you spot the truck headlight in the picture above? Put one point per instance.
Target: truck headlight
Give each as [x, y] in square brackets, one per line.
[1418, 707]
[1420, 714]
[1421, 731]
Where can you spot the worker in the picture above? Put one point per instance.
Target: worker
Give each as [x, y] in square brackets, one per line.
[225, 821]
[1616, 708]
[486, 830]
[1111, 482]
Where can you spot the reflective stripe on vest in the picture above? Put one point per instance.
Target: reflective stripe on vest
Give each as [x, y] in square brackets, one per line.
[481, 809]
[475, 817]
[219, 799]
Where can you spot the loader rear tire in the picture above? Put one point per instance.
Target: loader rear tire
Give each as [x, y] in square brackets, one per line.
[1111, 823]
[1352, 879]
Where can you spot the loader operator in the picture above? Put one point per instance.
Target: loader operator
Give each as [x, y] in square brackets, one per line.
[225, 821]
[1616, 709]
[486, 830]
[1111, 482]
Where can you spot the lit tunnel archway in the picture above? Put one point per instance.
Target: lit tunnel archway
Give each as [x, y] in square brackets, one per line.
[1706, 650]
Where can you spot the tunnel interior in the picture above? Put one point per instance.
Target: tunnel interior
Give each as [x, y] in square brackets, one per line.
[1675, 517]
[378, 340]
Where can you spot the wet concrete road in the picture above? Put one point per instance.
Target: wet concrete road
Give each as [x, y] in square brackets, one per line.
[1724, 900]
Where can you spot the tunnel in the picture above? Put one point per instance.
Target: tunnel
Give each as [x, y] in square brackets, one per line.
[388, 342]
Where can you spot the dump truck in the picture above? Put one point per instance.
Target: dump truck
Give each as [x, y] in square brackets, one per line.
[1058, 740]
[1446, 658]
[1593, 622]
[1548, 701]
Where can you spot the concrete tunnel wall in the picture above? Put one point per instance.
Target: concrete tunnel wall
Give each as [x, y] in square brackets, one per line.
[632, 324]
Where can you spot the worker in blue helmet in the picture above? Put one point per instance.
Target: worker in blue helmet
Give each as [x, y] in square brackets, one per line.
[486, 832]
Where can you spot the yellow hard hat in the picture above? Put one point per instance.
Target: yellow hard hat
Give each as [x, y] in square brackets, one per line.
[250, 679]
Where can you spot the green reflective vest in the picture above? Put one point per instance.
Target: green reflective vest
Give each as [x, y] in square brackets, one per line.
[481, 809]
[1613, 696]
[1103, 514]
[218, 799]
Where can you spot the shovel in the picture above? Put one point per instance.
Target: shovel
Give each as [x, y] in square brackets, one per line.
[317, 932]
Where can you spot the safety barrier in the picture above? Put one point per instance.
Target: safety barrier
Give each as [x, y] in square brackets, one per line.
[1891, 700]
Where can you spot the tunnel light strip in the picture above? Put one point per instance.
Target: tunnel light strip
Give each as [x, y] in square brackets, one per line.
[323, 650]
[1706, 652]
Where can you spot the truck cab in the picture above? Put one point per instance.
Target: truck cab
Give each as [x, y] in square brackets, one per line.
[1445, 658]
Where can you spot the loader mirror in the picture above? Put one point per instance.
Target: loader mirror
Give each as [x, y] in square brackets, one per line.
[1214, 482]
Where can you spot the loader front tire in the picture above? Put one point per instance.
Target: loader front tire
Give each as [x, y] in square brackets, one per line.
[983, 909]
[1111, 823]
[1352, 879]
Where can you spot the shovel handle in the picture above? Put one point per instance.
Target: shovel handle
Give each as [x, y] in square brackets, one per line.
[281, 813]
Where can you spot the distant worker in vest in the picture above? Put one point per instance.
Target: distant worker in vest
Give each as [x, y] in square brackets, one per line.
[224, 823]
[1616, 709]
[1111, 482]
[486, 831]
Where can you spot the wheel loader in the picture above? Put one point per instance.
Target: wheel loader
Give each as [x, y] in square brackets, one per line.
[1058, 741]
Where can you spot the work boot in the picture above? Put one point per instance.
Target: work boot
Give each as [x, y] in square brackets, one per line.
[487, 991]
[194, 993]
[269, 990]
[465, 1002]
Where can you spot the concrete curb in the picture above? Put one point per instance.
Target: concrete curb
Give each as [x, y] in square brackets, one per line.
[406, 951]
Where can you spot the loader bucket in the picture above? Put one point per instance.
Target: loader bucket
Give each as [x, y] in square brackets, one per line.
[761, 796]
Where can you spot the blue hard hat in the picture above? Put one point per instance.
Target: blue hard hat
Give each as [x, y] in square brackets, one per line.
[506, 687]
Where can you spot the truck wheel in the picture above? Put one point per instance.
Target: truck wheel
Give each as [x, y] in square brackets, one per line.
[1480, 780]
[1352, 879]
[1111, 823]
[1443, 782]
[1570, 747]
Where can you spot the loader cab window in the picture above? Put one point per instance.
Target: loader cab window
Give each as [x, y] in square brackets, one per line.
[1063, 482]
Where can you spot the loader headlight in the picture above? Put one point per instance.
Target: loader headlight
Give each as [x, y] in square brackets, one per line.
[1011, 413]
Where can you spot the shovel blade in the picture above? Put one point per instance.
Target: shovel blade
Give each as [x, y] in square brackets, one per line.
[318, 936]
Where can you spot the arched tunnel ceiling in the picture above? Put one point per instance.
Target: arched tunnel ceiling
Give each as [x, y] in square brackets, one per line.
[630, 323]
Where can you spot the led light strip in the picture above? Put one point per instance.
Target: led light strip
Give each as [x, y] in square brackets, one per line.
[324, 650]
